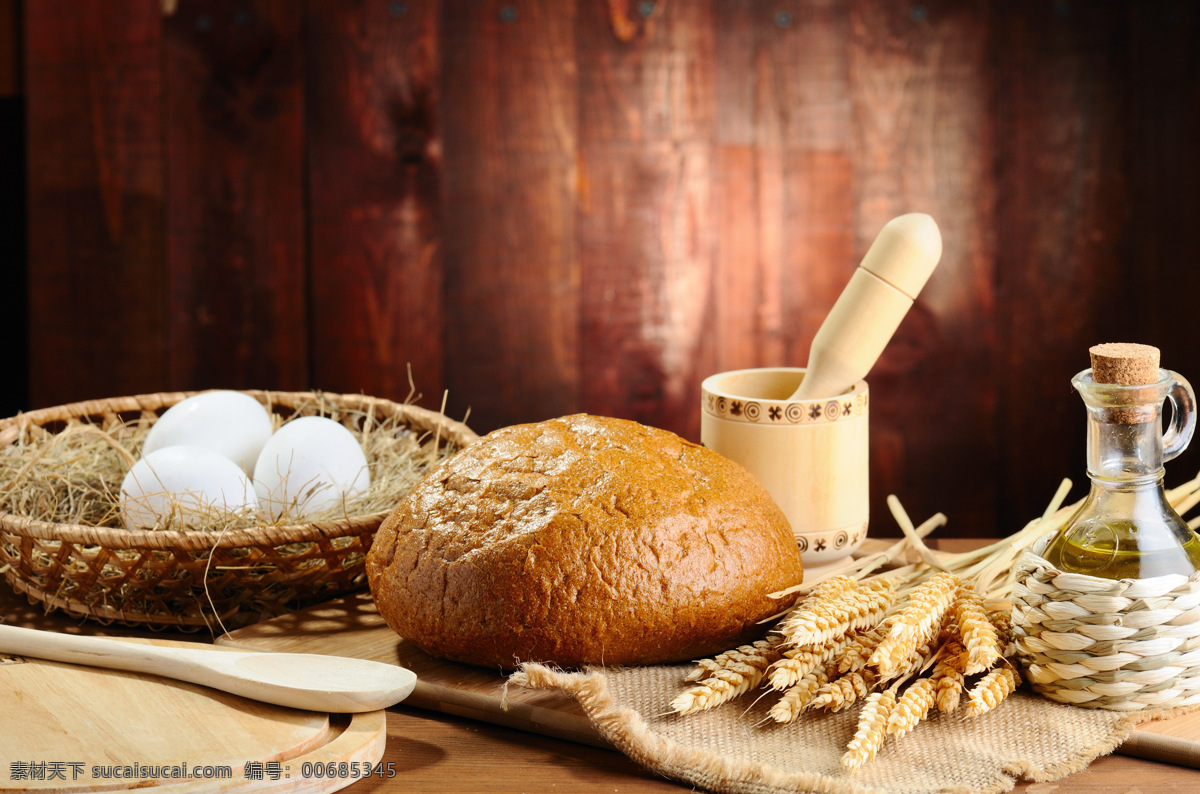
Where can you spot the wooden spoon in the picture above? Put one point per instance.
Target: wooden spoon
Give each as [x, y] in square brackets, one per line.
[869, 310]
[309, 681]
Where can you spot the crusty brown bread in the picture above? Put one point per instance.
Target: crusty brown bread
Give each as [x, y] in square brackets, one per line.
[582, 540]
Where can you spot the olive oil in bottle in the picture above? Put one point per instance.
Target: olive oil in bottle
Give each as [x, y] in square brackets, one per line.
[1111, 550]
[1126, 529]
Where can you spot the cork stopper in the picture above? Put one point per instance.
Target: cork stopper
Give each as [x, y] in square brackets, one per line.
[1124, 363]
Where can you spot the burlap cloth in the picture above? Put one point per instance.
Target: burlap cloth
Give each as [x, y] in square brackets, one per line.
[736, 748]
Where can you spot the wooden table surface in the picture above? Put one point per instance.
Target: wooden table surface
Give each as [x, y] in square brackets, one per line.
[438, 753]
[434, 752]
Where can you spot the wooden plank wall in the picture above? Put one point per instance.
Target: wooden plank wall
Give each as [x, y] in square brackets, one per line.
[99, 312]
[550, 206]
[14, 321]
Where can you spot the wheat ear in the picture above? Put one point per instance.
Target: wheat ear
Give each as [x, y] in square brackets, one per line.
[858, 608]
[978, 633]
[917, 660]
[948, 676]
[724, 685]
[797, 698]
[1002, 620]
[992, 689]
[767, 649]
[799, 662]
[872, 729]
[827, 591]
[916, 623]
[912, 707]
[842, 692]
[856, 653]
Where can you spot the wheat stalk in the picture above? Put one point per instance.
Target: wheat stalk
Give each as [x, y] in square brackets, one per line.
[889, 628]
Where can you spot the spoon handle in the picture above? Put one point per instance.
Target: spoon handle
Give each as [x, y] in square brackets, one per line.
[302, 681]
[99, 652]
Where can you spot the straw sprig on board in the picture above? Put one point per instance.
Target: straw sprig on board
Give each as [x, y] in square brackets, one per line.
[932, 636]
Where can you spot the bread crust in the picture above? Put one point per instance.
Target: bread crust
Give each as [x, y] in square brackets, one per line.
[582, 540]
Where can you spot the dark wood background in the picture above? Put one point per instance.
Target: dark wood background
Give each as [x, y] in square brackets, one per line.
[550, 206]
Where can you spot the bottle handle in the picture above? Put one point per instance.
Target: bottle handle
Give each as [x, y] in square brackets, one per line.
[1183, 417]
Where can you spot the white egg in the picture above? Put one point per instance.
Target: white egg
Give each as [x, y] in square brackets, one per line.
[310, 464]
[181, 486]
[232, 423]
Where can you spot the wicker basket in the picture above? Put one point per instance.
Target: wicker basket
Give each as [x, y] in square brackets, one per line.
[1125, 644]
[181, 579]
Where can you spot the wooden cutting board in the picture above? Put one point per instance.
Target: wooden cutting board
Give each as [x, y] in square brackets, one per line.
[76, 728]
[352, 627]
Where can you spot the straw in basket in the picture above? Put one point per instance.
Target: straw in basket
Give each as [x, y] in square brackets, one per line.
[181, 578]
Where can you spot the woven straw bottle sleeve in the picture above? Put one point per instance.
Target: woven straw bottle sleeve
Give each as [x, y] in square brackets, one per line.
[1124, 644]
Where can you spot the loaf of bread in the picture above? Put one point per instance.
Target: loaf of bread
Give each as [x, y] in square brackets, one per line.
[582, 540]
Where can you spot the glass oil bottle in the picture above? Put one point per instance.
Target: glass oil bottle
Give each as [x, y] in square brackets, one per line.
[1125, 528]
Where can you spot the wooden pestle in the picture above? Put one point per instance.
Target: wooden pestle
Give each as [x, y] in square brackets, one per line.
[870, 308]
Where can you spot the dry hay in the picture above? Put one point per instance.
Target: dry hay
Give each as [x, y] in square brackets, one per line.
[65, 474]
[73, 476]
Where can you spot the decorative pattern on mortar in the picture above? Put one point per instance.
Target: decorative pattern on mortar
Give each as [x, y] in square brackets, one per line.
[773, 411]
[834, 541]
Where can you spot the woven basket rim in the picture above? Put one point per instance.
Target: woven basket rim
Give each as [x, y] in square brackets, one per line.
[119, 537]
[107, 613]
[1032, 555]
[192, 540]
[1117, 644]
